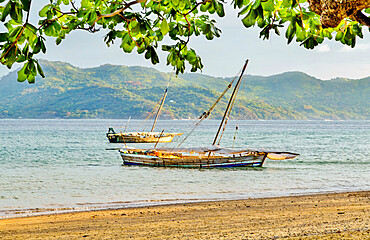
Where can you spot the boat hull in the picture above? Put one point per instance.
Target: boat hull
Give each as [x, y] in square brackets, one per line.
[252, 160]
[142, 138]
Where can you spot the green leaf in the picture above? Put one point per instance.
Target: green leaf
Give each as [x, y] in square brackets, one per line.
[148, 54]
[3, 37]
[245, 10]
[43, 48]
[175, 2]
[268, 6]
[13, 34]
[31, 78]
[261, 23]
[26, 49]
[44, 10]
[31, 69]
[21, 75]
[49, 30]
[204, 7]
[26, 5]
[348, 36]
[32, 28]
[16, 13]
[287, 3]
[6, 11]
[250, 19]
[37, 46]
[191, 56]
[92, 17]
[220, 10]
[135, 27]
[301, 35]
[326, 33]
[339, 36]
[164, 27]
[166, 48]
[127, 44]
[256, 4]
[289, 34]
[357, 30]
[260, 12]
[154, 57]
[39, 69]
[58, 40]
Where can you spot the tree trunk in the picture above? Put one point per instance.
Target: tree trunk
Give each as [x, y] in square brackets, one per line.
[332, 12]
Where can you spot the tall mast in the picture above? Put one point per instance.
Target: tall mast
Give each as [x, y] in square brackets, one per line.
[159, 109]
[230, 101]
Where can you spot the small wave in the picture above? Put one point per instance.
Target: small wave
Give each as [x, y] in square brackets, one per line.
[82, 207]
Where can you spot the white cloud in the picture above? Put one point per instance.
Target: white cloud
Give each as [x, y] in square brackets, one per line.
[323, 48]
[359, 46]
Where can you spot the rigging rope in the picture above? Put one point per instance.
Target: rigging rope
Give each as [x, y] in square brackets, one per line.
[238, 116]
[208, 113]
[228, 114]
[230, 105]
[155, 106]
[150, 115]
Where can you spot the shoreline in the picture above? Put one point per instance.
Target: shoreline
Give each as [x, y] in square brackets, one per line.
[91, 207]
[340, 215]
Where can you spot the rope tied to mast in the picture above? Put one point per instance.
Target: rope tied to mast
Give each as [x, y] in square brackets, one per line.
[208, 113]
[161, 100]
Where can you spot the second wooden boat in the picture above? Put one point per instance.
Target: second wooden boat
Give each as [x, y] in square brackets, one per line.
[140, 137]
[143, 137]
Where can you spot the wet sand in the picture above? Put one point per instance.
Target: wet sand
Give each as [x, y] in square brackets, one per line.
[322, 216]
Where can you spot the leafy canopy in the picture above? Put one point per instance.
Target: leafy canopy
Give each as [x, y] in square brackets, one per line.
[141, 25]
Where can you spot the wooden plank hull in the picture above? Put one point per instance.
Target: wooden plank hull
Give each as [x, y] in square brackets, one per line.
[126, 138]
[252, 160]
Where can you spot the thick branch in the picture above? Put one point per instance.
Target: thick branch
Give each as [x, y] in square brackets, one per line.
[14, 43]
[195, 7]
[118, 11]
[332, 12]
[362, 18]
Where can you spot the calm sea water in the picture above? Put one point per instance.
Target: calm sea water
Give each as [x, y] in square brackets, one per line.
[61, 165]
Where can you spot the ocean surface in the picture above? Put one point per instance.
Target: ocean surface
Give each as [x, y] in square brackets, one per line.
[56, 165]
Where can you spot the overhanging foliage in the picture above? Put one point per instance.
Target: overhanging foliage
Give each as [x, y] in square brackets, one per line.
[141, 25]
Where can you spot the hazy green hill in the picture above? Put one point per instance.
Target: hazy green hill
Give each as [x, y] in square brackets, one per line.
[111, 91]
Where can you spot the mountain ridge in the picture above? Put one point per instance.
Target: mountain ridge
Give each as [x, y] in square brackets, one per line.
[116, 91]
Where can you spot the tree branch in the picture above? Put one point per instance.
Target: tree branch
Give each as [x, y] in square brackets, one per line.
[117, 11]
[361, 18]
[14, 43]
[195, 7]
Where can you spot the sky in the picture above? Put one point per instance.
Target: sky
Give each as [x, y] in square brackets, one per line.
[224, 56]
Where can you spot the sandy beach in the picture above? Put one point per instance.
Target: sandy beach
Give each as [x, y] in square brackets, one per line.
[323, 216]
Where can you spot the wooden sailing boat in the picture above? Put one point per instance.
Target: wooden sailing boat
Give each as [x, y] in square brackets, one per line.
[143, 137]
[203, 157]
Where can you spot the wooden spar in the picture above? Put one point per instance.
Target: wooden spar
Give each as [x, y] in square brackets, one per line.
[158, 139]
[127, 123]
[159, 109]
[230, 101]
[214, 105]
